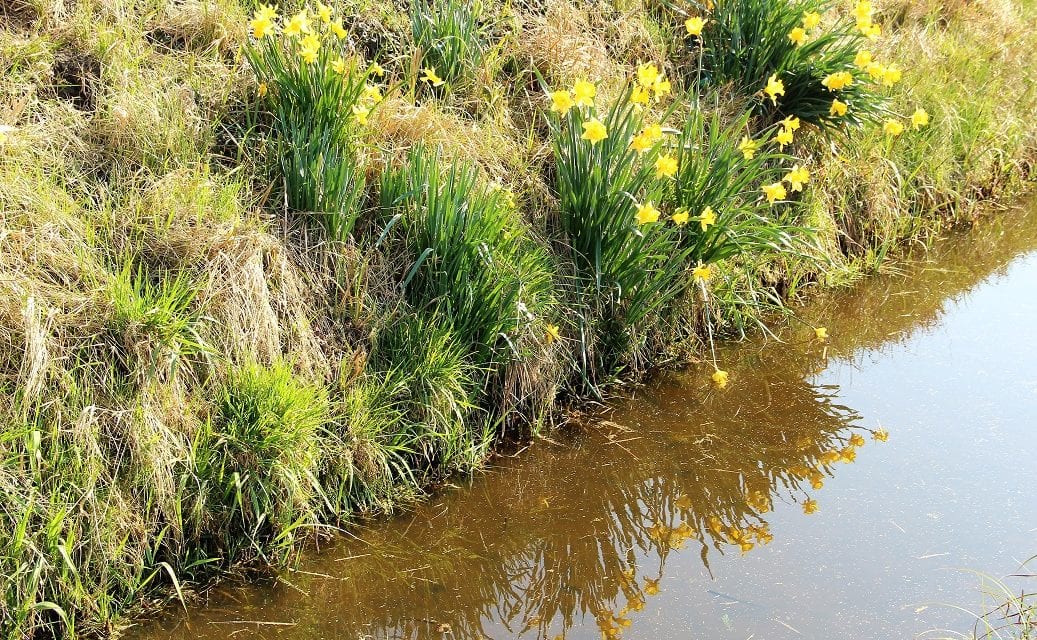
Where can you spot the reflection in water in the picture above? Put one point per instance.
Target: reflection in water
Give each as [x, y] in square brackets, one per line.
[571, 539]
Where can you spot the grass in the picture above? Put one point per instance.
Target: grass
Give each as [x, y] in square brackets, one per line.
[230, 322]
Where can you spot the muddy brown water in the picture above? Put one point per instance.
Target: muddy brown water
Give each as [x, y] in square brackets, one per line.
[683, 512]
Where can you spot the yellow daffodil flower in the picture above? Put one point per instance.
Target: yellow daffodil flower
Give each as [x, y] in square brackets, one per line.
[702, 273]
[661, 86]
[561, 102]
[551, 333]
[324, 12]
[431, 77]
[837, 81]
[829, 457]
[774, 192]
[893, 127]
[647, 213]
[372, 93]
[821, 333]
[594, 131]
[919, 118]
[665, 166]
[838, 108]
[640, 95]
[653, 132]
[857, 440]
[339, 31]
[694, 26]
[338, 65]
[847, 454]
[774, 88]
[651, 587]
[809, 506]
[309, 50]
[261, 90]
[261, 27]
[361, 112]
[267, 12]
[298, 25]
[720, 378]
[376, 69]
[863, 10]
[870, 30]
[811, 19]
[876, 70]
[797, 177]
[798, 36]
[863, 59]
[647, 74]
[707, 218]
[680, 217]
[817, 481]
[584, 93]
[748, 147]
[784, 137]
[880, 436]
[891, 75]
[641, 143]
[791, 123]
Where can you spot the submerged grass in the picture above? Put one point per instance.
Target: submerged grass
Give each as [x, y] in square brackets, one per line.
[193, 377]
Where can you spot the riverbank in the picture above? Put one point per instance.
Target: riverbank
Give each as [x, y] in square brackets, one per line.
[196, 375]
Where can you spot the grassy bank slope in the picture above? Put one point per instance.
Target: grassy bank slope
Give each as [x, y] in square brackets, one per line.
[253, 285]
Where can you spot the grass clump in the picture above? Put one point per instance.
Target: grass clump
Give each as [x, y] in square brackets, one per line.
[451, 40]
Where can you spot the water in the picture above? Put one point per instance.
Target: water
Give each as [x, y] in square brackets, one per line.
[682, 514]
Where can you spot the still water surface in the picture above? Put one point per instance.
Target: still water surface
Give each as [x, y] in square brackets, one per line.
[683, 513]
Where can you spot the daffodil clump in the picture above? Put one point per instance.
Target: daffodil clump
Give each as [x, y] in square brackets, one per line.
[613, 163]
[320, 97]
[451, 40]
[799, 58]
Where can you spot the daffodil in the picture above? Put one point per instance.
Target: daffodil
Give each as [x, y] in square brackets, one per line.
[707, 218]
[720, 378]
[641, 143]
[798, 36]
[774, 192]
[551, 333]
[919, 118]
[863, 10]
[372, 93]
[702, 273]
[811, 19]
[431, 77]
[680, 217]
[838, 108]
[651, 587]
[876, 70]
[376, 69]
[324, 12]
[694, 26]
[847, 454]
[338, 65]
[661, 86]
[640, 95]
[647, 213]
[809, 506]
[266, 11]
[298, 24]
[828, 457]
[869, 29]
[361, 112]
[837, 81]
[748, 147]
[881, 435]
[665, 166]
[261, 90]
[817, 481]
[862, 59]
[594, 131]
[261, 27]
[309, 48]
[584, 92]
[647, 74]
[340, 31]
[821, 333]
[653, 132]
[784, 137]
[797, 177]
[891, 75]
[774, 88]
[893, 127]
[792, 123]
[857, 440]
[561, 102]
